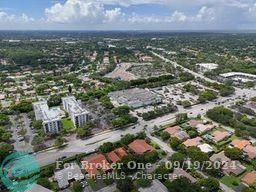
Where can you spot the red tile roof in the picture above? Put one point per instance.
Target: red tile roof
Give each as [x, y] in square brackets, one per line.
[173, 130]
[117, 154]
[250, 151]
[249, 178]
[240, 144]
[95, 163]
[194, 123]
[193, 142]
[140, 146]
[121, 152]
[220, 135]
[176, 131]
[113, 157]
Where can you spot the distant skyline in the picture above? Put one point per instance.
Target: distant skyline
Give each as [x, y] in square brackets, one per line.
[128, 15]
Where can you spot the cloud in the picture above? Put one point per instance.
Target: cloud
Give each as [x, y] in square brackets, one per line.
[138, 19]
[85, 11]
[252, 10]
[127, 3]
[205, 14]
[120, 14]
[113, 14]
[178, 17]
[6, 18]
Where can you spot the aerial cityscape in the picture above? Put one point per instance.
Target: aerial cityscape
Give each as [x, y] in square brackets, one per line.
[128, 96]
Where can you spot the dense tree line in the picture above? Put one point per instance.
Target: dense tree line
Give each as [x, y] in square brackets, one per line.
[158, 112]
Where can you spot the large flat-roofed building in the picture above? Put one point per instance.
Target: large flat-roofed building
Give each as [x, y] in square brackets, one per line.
[135, 98]
[78, 115]
[238, 76]
[205, 67]
[50, 117]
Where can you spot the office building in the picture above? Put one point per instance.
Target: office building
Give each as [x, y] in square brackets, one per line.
[50, 117]
[78, 115]
[205, 67]
[238, 76]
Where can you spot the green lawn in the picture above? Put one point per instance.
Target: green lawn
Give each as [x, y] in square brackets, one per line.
[230, 181]
[225, 143]
[68, 125]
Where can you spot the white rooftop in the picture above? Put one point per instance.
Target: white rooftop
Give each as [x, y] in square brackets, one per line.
[43, 112]
[75, 106]
[209, 66]
[233, 74]
[205, 148]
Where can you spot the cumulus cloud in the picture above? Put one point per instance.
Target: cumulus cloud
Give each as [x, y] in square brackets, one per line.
[111, 14]
[11, 18]
[127, 3]
[137, 19]
[204, 14]
[178, 17]
[81, 11]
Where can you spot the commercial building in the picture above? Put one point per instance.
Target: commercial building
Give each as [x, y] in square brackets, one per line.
[50, 117]
[205, 67]
[135, 98]
[78, 115]
[238, 76]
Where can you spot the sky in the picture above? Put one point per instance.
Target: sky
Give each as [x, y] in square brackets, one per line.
[127, 15]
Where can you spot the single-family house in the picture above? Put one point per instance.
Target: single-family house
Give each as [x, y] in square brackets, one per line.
[140, 146]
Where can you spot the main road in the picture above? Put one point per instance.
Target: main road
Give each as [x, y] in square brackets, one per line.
[175, 64]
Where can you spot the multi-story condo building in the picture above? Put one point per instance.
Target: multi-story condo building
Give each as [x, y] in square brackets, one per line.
[50, 117]
[78, 115]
